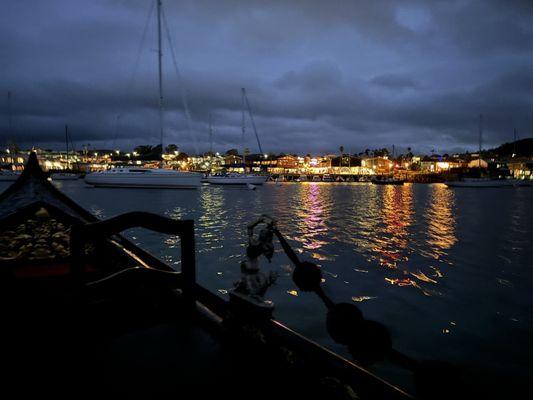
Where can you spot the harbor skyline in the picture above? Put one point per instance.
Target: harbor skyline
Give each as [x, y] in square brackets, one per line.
[365, 76]
[271, 199]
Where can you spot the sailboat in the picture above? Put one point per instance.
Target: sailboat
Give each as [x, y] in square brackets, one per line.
[480, 182]
[7, 175]
[65, 176]
[236, 178]
[135, 177]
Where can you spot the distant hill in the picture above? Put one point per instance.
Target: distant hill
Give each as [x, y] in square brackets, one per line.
[522, 147]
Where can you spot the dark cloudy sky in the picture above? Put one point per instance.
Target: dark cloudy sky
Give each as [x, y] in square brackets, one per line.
[319, 74]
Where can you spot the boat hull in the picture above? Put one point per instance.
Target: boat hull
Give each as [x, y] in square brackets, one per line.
[481, 183]
[64, 177]
[378, 182]
[173, 180]
[11, 177]
[237, 180]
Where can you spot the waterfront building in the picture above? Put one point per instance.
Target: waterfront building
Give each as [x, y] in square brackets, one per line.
[478, 163]
[521, 168]
[13, 160]
[379, 165]
[438, 164]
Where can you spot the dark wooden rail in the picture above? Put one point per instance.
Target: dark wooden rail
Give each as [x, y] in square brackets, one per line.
[82, 233]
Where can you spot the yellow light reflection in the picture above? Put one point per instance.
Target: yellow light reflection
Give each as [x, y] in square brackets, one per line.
[391, 242]
[441, 222]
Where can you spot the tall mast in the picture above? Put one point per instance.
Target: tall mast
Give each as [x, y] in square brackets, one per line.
[514, 142]
[66, 142]
[9, 111]
[210, 134]
[243, 92]
[160, 59]
[480, 138]
[252, 119]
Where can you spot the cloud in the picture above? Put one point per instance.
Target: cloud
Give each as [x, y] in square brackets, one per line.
[318, 74]
[394, 81]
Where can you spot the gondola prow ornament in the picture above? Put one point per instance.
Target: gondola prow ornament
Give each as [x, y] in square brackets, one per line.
[254, 283]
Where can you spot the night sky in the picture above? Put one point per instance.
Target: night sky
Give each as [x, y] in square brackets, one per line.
[319, 74]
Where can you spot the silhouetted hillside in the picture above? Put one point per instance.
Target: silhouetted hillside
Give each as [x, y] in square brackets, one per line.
[522, 147]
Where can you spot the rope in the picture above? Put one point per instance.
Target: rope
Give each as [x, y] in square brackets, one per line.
[131, 81]
[181, 81]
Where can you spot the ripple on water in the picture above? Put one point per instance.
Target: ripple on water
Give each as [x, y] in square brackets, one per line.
[414, 257]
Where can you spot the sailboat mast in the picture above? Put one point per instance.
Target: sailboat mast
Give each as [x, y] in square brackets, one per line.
[514, 142]
[9, 119]
[243, 92]
[480, 138]
[66, 144]
[252, 120]
[210, 134]
[160, 68]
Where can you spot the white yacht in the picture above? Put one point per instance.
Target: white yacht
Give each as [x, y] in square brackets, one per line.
[132, 177]
[7, 175]
[237, 179]
[144, 178]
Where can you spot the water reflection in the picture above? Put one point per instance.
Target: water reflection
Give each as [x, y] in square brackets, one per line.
[311, 215]
[439, 215]
[391, 241]
[381, 243]
[212, 221]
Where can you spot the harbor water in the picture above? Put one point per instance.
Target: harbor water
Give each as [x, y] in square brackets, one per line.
[448, 271]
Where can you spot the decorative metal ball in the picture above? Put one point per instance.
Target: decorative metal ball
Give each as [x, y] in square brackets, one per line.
[343, 322]
[372, 343]
[307, 276]
[438, 380]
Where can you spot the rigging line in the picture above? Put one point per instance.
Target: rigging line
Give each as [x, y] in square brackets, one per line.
[181, 81]
[131, 81]
[117, 122]
[253, 122]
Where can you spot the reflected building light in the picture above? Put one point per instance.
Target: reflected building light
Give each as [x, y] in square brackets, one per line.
[441, 222]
